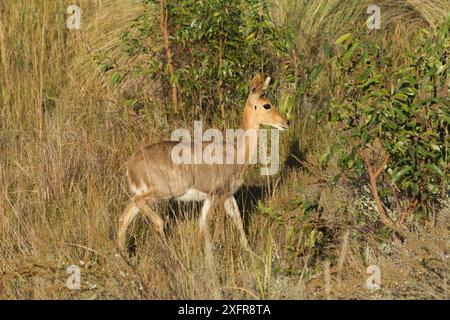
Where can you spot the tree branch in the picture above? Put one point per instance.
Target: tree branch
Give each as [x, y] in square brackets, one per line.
[405, 213]
[373, 175]
[164, 16]
[381, 168]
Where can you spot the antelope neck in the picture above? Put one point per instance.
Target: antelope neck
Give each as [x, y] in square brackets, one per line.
[249, 124]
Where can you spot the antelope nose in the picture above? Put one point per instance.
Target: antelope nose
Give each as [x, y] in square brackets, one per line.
[288, 123]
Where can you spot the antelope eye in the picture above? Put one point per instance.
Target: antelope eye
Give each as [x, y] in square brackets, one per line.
[267, 106]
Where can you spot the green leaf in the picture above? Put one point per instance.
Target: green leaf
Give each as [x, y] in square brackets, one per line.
[401, 173]
[434, 168]
[325, 158]
[106, 67]
[401, 97]
[409, 91]
[433, 188]
[435, 147]
[342, 38]
[441, 69]
[349, 53]
[116, 78]
[309, 206]
[316, 72]
[363, 77]
[364, 137]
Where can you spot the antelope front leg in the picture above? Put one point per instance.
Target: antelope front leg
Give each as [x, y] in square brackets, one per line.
[205, 218]
[204, 225]
[232, 210]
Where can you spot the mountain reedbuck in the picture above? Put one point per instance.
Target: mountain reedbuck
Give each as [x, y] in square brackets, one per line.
[154, 176]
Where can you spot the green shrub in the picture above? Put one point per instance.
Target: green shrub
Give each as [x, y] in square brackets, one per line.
[216, 46]
[396, 116]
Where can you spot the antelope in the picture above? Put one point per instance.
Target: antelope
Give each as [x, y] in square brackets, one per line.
[153, 176]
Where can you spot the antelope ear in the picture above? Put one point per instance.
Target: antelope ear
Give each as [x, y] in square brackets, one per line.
[256, 83]
[266, 84]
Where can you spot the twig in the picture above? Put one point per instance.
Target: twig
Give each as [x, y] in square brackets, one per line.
[405, 213]
[164, 17]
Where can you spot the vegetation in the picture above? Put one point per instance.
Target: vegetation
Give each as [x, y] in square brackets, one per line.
[215, 47]
[365, 171]
[400, 114]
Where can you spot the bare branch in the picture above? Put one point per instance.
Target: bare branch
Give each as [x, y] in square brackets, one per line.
[381, 168]
[164, 16]
[385, 219]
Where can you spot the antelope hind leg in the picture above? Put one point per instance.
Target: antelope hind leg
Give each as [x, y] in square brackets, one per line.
[129, 214]
[124, 220]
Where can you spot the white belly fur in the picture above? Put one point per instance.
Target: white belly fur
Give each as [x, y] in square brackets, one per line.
[193, 195]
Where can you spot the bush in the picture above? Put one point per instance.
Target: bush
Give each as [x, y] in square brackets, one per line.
[215, 47]
[398, 117]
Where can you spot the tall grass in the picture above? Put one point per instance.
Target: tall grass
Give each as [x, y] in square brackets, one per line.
[65, 133]
[316, 21]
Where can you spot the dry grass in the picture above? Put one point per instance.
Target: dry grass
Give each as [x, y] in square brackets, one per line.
[317, 21]
[64, 135]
